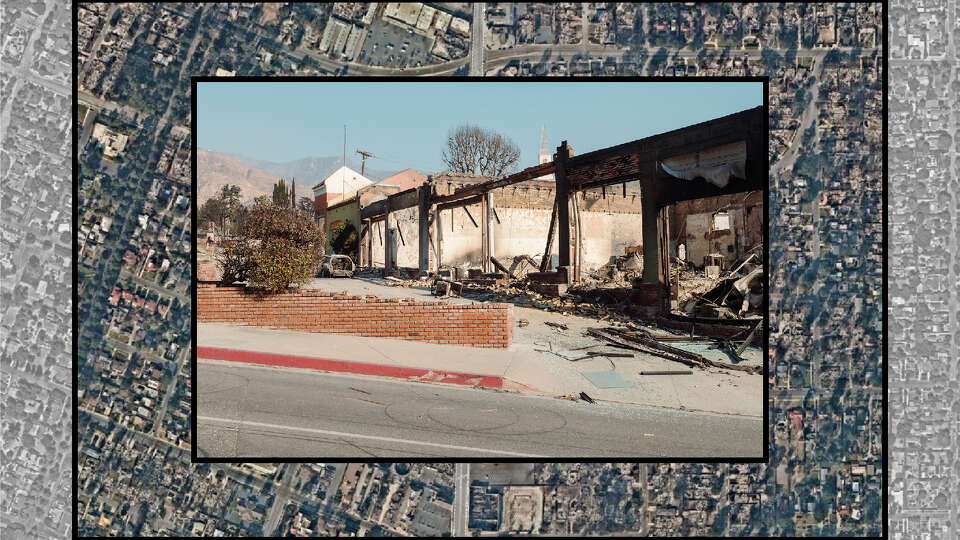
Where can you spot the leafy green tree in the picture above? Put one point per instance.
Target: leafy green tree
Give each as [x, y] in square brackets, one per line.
[820, 510]
[274, 248]
[830, 487]
[230, 194]
[717, 486]
[771, 59]
[344, 239]
[659, 58]
[281, 195]
[305, 205]
[808, 37]
[720, 521]
[212, 210]
[871, 507]
[680, 488]
[224, 206]
[230, 199]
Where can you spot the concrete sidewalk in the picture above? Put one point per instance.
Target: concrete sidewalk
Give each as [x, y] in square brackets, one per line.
[522, 367]
[410, 360]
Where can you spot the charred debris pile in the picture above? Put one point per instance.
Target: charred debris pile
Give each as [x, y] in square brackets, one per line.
[725, 309]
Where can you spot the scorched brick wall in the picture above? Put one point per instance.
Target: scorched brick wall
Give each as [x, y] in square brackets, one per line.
[474, 325]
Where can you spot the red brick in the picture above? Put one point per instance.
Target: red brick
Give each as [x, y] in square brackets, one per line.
[477, 325]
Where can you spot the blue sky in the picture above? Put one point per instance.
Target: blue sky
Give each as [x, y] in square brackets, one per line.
[405, 124]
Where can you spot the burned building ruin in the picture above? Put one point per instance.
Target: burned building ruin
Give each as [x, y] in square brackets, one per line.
[688, 200]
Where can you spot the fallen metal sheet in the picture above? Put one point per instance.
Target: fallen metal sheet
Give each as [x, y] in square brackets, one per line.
[607, 379]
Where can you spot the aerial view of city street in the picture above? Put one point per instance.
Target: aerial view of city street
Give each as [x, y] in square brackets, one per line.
[128, 120]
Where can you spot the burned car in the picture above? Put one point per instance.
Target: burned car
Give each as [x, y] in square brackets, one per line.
[336, 266]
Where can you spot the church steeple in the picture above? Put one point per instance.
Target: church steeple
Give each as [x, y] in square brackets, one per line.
[545, 154]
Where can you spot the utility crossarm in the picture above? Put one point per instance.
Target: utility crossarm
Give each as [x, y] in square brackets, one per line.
[479, 189]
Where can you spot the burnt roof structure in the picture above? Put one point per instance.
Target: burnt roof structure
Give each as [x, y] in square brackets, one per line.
[718, 157]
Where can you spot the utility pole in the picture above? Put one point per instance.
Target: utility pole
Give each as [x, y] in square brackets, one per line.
[363, 160]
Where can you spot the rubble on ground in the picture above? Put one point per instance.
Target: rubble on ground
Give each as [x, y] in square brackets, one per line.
[643, 341]
[618, 273]
[725, 312]
[735, 296]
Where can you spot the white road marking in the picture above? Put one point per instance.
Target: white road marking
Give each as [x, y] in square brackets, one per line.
[358, 436]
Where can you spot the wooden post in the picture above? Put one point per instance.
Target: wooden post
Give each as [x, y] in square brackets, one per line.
[545, 261]
[484, 256]
[362, 243]
[651, 234]
[563, 204]
[663, 232]
[488, 230]
[370, 243]
[577, 237]
[388, 262]
[438, 235]
[423, 223]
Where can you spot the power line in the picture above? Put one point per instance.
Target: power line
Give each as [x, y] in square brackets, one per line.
[403, 162]
[363, 160]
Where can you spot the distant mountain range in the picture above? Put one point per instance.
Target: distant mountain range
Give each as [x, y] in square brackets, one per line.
[256, 177]
[309, 170]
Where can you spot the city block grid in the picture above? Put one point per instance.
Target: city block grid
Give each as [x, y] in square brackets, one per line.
[133, 479]
[826, 95]
[924, 229]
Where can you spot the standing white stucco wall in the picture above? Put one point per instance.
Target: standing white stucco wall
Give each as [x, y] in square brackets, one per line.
[700, 241]
[521, 231]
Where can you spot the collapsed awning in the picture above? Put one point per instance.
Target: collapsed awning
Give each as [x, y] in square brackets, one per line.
[715, 165]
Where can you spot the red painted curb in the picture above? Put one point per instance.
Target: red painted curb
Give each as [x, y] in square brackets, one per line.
[343, 366]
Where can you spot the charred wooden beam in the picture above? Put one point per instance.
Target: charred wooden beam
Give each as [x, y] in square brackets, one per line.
[489, 248]
[683, 140]
[459, 203]
[499, 266]
[478, 189]
[423, 227]
[438, 236]
[388, 224]
[563, 203]
[469, 215]
[400, 234]
[577, 237]
[545, 261]
[397, 201]
[644, 342]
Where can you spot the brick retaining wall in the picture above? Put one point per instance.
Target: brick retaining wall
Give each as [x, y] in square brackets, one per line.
[473, 325]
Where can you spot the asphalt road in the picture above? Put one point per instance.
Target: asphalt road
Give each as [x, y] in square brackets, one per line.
[476, 40]
[530, 53]
[248, 411]
[461, 499]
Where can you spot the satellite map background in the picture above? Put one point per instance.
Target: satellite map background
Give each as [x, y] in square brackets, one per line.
[128, 482]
